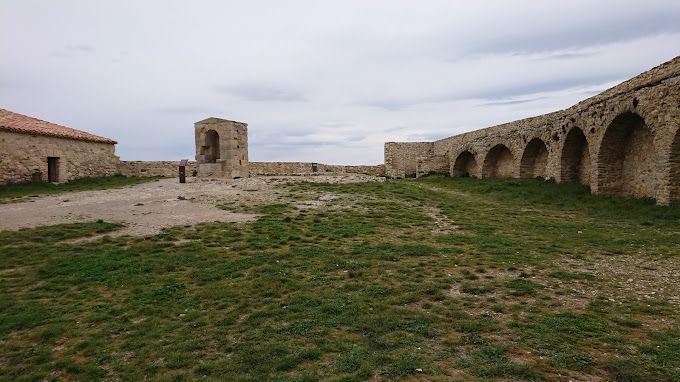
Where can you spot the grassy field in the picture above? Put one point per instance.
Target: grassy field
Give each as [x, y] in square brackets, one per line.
[433, 279]
[23, 191]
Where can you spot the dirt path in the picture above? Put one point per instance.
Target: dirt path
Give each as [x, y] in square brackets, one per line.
[149, 207]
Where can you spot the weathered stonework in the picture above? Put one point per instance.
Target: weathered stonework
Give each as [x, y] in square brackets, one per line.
[623, 141]
[24, 158]
[401, 158]
[308, 168]
[155, 168]
[221, 148]
[170, 168]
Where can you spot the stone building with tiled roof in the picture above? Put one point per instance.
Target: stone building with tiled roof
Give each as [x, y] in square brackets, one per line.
[33, 150]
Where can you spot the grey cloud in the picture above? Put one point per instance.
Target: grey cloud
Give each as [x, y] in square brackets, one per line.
[501, 93]
[188, 110]
[505, 91]
[72, 50]
[579, 32]
[393, 104]
[567, 55]
[506, 102]
[395, 128]
[262, 93]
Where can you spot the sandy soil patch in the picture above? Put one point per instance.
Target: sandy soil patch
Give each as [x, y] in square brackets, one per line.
[149, 207]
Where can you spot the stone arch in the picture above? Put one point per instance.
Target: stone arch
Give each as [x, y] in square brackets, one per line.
[465, 165]
[575, 162]
[211, 146]
[674, 164]
[626, 158]
[498, 163]
[534, 160]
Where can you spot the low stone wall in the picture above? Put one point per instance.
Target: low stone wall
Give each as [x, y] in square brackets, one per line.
[23, 158]
[170, 168]
[154, 168]
[305, 168]
[376, 170]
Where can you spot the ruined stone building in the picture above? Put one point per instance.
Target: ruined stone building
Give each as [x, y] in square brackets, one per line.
[623, 141]
[221, 148]
[32, 150]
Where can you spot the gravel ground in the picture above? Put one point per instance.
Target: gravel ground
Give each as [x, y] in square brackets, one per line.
[149, 207]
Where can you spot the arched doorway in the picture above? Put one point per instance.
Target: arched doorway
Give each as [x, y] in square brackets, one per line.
[211, 147]
[626, 160]
[498, 163]
[674, 162]
[575, 162]
[465, 165]
[534, 160]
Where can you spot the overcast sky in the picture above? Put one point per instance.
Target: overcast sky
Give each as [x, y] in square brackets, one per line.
[325, 81]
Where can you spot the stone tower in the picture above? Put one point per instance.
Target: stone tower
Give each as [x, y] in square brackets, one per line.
[221, 148]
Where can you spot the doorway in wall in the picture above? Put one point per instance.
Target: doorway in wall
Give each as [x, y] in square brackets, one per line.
[53, 169]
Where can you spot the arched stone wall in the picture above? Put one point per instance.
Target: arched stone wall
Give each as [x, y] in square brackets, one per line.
[596, 142]
[534, 160]
[465, 165]
[498, 163]
[575, 163]
[626, 161]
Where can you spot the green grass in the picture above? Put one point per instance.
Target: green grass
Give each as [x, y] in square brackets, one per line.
[20, 191]
[360, 289]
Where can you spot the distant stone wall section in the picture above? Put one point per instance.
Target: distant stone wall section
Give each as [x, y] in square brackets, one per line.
[154, 168]
[24, 158]
[306, 168]
[170, 168]
[623, 141]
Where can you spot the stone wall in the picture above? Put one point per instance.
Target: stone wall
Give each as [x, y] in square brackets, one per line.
[432, 164]
[23, 158]
[619, 142]
[401, 157]
[170, 168]
[305, 168]
[154, 168]
[375, 170]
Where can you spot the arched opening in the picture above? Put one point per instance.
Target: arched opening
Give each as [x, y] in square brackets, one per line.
[626, 160]
[534, 160]
[674, 162]
[575, 162]
[211, 147]
[498, 163]
[465, 165]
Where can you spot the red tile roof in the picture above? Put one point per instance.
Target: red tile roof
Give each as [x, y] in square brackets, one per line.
[23, 124]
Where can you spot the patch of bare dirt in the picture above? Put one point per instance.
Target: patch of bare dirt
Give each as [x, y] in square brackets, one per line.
[638, 276]
[147, 208]
[441, 223]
